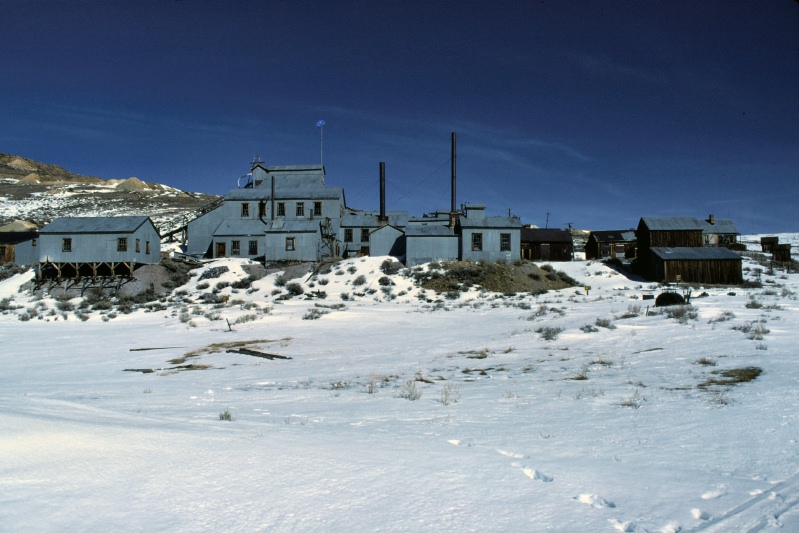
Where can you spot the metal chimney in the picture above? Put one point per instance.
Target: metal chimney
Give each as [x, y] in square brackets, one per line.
[383, 219]
[453, 214]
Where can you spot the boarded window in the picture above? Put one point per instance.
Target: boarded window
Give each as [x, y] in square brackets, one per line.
[122, 244]
[147, 247]
[364, 235]
[235, 247]
[348, 235]
[291, 244]
[253, 248]
[477, 242]
[300, 209]
[245, 210]
[317, 209]
[138, 246]
[281, 209]
[504, 242]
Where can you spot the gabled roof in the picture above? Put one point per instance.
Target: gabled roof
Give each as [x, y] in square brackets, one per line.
[720, 226]
[545, 235]
[613, 235]
[672, 223]
[694, 253]
[127, 224]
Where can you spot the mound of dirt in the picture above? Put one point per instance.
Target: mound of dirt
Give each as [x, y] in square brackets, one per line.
[494, 277]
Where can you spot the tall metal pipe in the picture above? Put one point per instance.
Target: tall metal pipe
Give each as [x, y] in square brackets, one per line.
[382, 192]
[453, 205]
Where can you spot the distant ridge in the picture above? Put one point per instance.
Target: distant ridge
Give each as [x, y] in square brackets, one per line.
[39, 192]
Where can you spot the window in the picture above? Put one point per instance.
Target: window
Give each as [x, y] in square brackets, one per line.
[122, 244]
[364, 235]
[281, 209]
[245, 210]
[477, 242]
[291, 244]
[33, 243]
[253, 248]
[504, 242]
[147, 247]
[235, 247]
[300, 209]
[261, 209]
[348, 235]
[138, 246]
[317, 209]
[66, 245]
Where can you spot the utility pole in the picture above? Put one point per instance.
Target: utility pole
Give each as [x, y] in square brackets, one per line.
[546, 225]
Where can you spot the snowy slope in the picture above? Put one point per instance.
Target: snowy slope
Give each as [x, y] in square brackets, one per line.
[605, 427]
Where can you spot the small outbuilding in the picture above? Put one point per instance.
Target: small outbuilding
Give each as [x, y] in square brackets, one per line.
[547, 244]
[610, 244]
[712, 265]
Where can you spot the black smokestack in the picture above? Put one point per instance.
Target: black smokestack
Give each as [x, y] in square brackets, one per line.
[453, 203]
[382, 218]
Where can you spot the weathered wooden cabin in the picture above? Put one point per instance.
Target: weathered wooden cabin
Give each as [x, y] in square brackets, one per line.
[719, 232]
[74, 247]
[781, 253]
[672, 246]
[543, 244]
[767, 244]
[712, 265]
[610, 244]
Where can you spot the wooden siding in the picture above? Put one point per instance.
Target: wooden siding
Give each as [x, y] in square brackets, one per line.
[716, 271]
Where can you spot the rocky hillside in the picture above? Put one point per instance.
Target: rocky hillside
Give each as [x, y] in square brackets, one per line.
[39, 192]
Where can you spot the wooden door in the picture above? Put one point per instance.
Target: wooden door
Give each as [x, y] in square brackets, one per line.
[220, 249]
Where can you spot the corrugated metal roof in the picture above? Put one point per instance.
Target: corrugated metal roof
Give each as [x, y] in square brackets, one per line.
[127, 224]
[721, 226]
[428, 230]
[233, 227]
[694, 253]
[545, 235]
[293, 226]
[283, 193]
[614, 235]
[492, 223]
[672, 223]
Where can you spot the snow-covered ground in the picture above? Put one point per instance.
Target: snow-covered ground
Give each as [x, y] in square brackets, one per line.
[604, 427]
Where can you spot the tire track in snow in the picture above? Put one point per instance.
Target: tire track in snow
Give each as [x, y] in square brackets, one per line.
[757, 513]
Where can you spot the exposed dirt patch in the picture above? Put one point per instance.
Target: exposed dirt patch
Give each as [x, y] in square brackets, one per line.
[495, 277]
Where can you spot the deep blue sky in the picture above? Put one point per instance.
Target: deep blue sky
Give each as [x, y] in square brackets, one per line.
[598, 112]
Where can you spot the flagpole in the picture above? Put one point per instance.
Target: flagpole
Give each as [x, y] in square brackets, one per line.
[321, 125]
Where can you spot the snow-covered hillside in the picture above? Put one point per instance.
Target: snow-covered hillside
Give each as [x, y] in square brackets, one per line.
[390, 408]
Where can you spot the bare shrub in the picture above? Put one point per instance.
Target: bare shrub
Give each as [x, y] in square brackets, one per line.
[227, 416]
[450, 394]
[410, 391]
[549, 333]
[605, 323]
[360, 280]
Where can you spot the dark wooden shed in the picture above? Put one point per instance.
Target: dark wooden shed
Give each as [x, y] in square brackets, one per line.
[8, 244]
[610, 244]
[546, 244]
[767, 244]
[714, 265]
[781, 253]
[669, 232]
